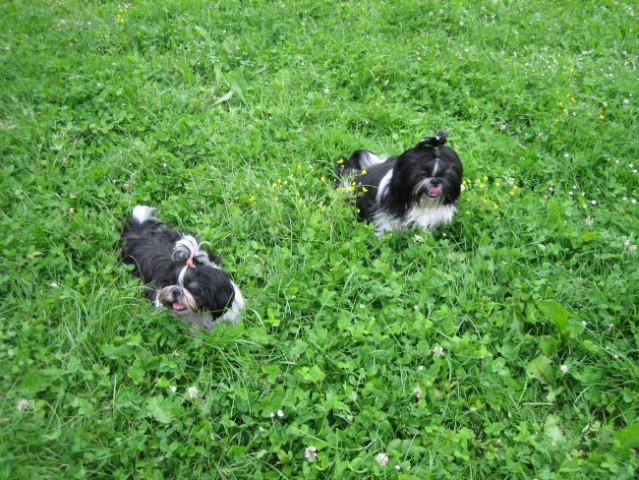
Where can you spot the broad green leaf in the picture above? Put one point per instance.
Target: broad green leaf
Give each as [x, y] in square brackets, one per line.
[34, 382]
[628, 437]
[551, 428]
[557, 313]
[541, 369]
[160, 409]
[553, 213]
[313, 374]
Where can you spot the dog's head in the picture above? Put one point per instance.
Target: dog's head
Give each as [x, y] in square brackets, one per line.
[199, 284]
[428, 173]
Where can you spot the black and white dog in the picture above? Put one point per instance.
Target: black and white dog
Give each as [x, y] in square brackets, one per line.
[178, 273]
[417, 189]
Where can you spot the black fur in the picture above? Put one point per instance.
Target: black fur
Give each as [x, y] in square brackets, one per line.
[427, 167]
[148, 246]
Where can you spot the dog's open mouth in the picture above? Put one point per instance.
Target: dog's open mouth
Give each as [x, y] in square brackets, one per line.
[178, 307]
[434, 192]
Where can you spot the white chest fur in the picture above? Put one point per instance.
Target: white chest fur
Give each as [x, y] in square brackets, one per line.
[427, 217]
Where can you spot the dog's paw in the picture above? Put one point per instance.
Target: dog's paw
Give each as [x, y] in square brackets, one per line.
[208, 324]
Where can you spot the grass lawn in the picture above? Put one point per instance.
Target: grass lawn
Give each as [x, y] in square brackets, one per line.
[504, 346]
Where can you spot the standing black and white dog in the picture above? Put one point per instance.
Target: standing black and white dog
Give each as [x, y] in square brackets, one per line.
[418, 188]
[178, 273]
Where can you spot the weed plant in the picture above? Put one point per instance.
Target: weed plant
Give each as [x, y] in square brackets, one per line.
[504, 346]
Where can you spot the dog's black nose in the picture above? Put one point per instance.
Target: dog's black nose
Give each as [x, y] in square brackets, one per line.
[435, 182]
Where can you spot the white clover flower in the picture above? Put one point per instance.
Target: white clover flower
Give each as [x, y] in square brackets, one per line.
[382, 459]
[173, 388]
[633, 248]
[438, 351]
[611, 326]
[22, 405]
[192, 392]
[417, 238]
[420, 368]
[398, 467]
[417, 392]
[590, 222]
[280, 413]
[564, 369]
[310, 453]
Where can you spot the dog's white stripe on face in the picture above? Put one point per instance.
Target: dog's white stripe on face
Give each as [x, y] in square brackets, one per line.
[181, 276]
[435, 168]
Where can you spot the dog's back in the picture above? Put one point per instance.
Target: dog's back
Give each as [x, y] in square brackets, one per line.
[148, 245]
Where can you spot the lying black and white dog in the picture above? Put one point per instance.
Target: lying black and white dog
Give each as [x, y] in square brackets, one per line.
[179, 274]
[417, 189]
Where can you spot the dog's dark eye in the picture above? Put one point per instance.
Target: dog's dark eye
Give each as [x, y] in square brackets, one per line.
[195, 289]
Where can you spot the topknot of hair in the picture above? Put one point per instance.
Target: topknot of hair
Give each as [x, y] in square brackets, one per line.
[434, 142]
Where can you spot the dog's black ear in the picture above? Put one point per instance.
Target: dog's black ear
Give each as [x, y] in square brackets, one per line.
[436, 141]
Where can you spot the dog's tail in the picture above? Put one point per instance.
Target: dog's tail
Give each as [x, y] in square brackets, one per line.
[358, 161]
[142, 213]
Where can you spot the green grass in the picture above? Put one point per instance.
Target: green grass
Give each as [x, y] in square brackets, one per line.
[227, 116]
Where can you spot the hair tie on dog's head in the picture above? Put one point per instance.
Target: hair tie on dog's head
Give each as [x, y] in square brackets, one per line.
[434, 142]
[188, 250]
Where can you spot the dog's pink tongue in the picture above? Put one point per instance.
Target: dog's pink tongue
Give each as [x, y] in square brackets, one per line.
[178, 306]
[435, 191]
